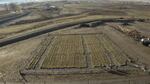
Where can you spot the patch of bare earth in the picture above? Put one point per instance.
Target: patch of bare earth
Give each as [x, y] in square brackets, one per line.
[134, 49]
[13, 57]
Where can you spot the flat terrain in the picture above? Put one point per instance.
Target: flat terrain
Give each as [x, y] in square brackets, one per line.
[13, 58]
[118, 52]
[91, 45]
[104, 52]
[78, 54]
[81, 51]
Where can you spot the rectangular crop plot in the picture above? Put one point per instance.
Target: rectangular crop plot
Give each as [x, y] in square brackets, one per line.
[104, 52]
[96, 50]
[66, 52]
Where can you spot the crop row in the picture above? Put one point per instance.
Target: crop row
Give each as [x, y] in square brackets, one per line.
[104, 52]
[38, 52]
[65, 52]
[69, 51]
[96, 50]
[115, 53]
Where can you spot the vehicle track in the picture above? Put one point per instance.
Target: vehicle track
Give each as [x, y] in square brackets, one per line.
[34, 33]
[6, 41]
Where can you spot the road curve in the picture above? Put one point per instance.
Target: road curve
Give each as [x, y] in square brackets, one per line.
[6, 41]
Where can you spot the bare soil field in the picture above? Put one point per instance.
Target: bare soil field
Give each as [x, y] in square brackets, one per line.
[133, 48]
[12, 58]
[3, 13]
[142, 27]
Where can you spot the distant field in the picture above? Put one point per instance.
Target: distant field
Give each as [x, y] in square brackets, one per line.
[85, 10]
[3, 13]
[15, 29]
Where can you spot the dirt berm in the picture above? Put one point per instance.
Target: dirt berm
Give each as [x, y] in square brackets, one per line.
[58, 26]
[34, 33]
[9, 18]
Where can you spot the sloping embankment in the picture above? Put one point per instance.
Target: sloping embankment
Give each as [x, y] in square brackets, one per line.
[8, 18]
[58, 26]
[15, 39]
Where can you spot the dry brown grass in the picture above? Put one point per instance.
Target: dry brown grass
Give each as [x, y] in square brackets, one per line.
[11, 30]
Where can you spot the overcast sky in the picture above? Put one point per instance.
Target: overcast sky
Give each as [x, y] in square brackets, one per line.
[19, 1]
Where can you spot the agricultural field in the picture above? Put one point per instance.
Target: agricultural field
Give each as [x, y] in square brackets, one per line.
[44, 47]
[81, 52]
[104, 52]
[66, 52]
[39, 52]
